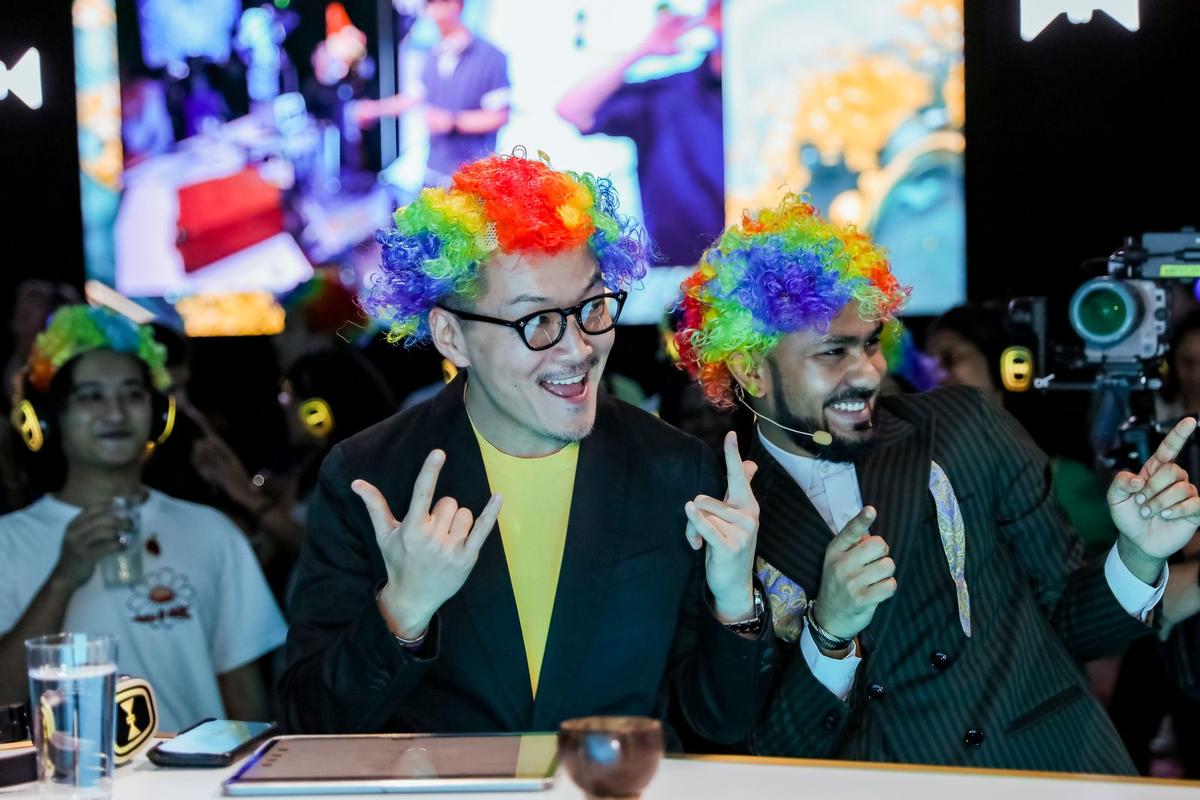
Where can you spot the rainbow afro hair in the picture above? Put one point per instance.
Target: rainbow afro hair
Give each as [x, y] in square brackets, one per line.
[781, 270]
[75, 330]
[499, 204]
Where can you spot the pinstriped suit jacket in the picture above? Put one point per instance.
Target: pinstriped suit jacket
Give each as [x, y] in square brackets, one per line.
[1013, 695]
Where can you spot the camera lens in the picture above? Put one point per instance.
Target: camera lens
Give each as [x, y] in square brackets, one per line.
[1104, 312]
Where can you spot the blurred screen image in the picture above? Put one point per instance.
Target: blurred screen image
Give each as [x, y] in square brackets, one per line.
[860, 105]
[229, 148]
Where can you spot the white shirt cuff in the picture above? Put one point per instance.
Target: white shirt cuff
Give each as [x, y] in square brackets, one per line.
[835, 674]
[1134, 596]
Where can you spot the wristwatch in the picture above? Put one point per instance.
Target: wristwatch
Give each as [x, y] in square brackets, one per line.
[753, 624]
[823, 638]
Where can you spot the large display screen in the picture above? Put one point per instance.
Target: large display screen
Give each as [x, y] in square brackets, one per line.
[229, 147]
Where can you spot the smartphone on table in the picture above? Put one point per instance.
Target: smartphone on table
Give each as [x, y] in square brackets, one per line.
[210, 743]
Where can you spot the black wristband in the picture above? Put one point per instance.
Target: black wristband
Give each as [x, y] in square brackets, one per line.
[823, 638]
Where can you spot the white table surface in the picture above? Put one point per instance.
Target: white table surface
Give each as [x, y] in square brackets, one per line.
[698, 778]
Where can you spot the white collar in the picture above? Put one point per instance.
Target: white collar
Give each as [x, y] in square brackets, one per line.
[805, 469]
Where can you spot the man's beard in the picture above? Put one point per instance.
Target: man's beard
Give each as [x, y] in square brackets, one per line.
[840, 449]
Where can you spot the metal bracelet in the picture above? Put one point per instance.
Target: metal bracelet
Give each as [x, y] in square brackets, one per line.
[823, 638]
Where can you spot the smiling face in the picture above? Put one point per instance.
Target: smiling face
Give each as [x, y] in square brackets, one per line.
[822, 381]
[527, 402]
[105, 422]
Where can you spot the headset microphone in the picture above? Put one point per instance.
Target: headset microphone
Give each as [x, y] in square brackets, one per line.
[820, 438]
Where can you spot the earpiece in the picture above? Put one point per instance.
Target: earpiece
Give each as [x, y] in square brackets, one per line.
[820, 438]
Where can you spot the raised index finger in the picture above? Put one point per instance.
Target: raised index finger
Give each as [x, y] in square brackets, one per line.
[855, 529]
[1171, 446]
[737, 485]
[422, 494]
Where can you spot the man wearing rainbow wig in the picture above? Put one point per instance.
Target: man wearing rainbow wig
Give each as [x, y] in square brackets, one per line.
[411, 613]
[931, 597]
[175, 582]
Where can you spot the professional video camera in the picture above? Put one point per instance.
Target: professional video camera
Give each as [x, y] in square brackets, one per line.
[1123, 318]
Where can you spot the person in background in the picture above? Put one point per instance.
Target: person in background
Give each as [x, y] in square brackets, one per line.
[676, 125]
[325, 397]
[33, 303]
[1181, 389]
[967, 342]
[464, 91]
[199, 614]
[616, 578]
[933, 598]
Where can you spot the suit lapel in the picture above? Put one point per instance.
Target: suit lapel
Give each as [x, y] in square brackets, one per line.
[792, 537]
[894, 478]
[487, 596]
[592, 546]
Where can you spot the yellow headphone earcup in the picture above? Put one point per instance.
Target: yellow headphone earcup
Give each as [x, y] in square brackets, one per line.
[29, 425]
[1016, 368]
[316, 416]
[168, 420]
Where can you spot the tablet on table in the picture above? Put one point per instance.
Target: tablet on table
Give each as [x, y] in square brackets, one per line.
[395, 763]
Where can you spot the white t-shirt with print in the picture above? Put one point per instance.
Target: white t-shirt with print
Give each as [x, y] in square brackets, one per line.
[202, 608]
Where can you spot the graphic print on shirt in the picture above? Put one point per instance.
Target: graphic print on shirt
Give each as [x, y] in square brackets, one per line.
[162, 598]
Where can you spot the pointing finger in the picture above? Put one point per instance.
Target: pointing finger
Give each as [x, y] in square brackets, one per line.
[737, 484]
[855, 529]
[1171, 446]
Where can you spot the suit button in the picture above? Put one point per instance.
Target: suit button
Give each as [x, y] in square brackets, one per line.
[939, 660]
[876, 691]
[830, 721]
[973, 737]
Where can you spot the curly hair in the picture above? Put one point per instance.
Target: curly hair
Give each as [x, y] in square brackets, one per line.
[75, 330]
[498, 204]
[780, 270]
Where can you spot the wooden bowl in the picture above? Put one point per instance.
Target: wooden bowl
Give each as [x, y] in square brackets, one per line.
[611, 758]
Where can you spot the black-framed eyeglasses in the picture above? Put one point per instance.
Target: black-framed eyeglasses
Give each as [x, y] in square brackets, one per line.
[543, 329]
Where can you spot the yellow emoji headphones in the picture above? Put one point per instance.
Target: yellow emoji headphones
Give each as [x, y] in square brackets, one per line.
[34, 428]
[314, 413]
[316, 416]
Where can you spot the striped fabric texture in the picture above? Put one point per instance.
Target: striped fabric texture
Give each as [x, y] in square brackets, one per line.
[1012, 693]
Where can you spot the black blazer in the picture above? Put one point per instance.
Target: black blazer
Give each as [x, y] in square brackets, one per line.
[630, 623]
[1013, 695]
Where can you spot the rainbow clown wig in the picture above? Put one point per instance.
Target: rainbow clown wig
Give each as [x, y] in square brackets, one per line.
[781, 270]
[499, 204]
[75, 330]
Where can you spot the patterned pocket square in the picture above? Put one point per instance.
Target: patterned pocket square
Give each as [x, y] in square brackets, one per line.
[954, 539]
[787, 599]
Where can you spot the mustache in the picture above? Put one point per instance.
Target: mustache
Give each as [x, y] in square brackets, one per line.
[851, 395]
[574, 369]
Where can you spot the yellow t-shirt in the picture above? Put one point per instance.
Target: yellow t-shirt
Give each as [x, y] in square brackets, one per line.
[533, 527]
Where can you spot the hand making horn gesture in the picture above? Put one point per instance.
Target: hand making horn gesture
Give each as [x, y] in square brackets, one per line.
[730, 528]
[1155, 510]
[429, 553]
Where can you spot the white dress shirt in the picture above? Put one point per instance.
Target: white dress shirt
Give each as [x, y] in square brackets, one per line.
[834, 491]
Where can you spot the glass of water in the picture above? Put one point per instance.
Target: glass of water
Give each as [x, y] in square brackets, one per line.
[124, 567]
[72, 677]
